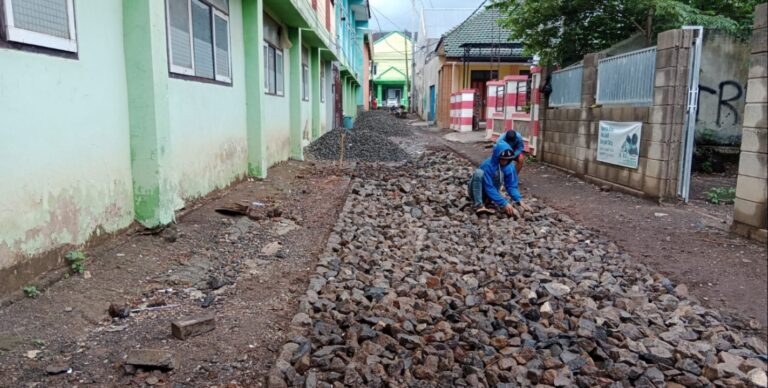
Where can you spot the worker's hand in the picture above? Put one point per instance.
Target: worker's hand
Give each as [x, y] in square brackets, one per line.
[511, 211]
[525, 207]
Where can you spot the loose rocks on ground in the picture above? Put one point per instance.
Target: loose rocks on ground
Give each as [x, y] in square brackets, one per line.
[438, 297]
[367, 141]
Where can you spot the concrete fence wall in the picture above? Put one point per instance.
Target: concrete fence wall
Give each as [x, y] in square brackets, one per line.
[569, 136]
[750, 216]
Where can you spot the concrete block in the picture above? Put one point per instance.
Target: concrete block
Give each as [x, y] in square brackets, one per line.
[760, 40]
[753, 164]
[592, 168]
[686, 40]
[757, 90]
[666, 58]
[750, 213]
[602, 171]
[663, 95]
[627, 113]
[678, 114]
[669, 39]
[665, 77]
[675, 133]
[758, 65]
[187, 328]
[152, 358]
[754, 140]
[655, 132]
[653, 168]
[623, 176]
[652, 186]
[661, 115]
[654, 150]
[752, 189]
[756, 115]
[681, 77]
[636, 180]
[761, 16]
[612, 114]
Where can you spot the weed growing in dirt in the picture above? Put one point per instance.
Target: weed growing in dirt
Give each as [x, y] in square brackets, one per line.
[721, 195]
[31, 291]
[76, 260]
[530, 159]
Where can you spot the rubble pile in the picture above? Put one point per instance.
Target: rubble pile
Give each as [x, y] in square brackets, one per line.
[415, 290]
[367, 141]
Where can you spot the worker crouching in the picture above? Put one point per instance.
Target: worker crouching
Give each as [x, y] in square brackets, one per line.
[485, 183]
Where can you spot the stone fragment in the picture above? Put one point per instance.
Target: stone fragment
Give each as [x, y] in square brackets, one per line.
[153, 359]
[186, 328]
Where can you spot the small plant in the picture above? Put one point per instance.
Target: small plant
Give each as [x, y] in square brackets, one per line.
[530, 159]
[31, 291]
[721, 195]
[76, 260]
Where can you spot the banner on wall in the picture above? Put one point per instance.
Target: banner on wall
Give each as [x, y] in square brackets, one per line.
[619, 143]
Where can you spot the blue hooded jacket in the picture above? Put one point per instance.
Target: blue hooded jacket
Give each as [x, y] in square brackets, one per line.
[491, 186]
[515, 141]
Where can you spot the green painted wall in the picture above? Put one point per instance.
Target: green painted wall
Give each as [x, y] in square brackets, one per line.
[65, 146]
[208, 130]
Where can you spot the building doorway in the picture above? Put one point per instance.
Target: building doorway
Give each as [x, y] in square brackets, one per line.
[478, 79]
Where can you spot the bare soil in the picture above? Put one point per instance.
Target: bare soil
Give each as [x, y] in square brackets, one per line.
[68, 324]
[689, 244]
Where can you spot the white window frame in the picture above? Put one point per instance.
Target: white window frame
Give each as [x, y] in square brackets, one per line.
[20, 35]
[217, 12]
[190, 71]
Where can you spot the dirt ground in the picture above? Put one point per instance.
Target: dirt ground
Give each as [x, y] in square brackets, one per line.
[690, 244]
[255, 269]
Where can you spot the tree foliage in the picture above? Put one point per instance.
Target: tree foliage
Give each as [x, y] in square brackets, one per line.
[563, 31]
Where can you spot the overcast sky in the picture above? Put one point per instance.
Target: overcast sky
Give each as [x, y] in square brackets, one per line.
[398, 14]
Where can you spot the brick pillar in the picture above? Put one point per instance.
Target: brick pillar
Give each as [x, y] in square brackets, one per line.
[750, 217]
[661, 165]
[589, 79]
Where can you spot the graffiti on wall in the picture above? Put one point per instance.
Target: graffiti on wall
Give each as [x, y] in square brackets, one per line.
[727, 93]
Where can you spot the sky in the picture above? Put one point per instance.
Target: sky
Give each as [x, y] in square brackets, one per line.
[441, 15]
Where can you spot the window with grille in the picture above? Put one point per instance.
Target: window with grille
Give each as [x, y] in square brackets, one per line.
[44, 23]
[274, 64]
[304, 74]
[322, 82]
[198, 38]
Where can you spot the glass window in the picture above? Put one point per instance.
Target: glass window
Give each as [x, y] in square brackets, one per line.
[45, 23]
[198, 36]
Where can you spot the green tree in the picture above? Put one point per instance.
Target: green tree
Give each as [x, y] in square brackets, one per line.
[563, 31]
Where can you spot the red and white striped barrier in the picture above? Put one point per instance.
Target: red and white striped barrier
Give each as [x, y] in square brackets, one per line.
[535, 107]
[495, 109]
[465, 107]
[515, 88]
[453, 111]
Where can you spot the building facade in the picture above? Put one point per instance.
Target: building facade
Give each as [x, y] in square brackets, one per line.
[114, 111]
[391, 81]
[471, 54]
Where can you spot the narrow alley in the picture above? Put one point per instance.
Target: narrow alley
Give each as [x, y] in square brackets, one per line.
[398, 284]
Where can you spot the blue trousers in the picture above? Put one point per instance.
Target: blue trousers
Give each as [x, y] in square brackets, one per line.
[476, 191]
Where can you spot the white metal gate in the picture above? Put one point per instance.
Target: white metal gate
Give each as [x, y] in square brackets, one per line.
[689, 125]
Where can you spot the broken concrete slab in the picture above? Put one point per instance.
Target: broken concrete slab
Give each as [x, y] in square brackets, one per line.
[187, 328]
[152, 359]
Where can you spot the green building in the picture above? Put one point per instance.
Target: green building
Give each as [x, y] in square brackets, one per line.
[392, 79]
[119, 110]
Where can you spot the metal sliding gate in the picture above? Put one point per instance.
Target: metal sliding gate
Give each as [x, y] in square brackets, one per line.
[689, 125]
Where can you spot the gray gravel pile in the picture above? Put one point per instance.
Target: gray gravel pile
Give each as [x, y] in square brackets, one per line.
[415, 290]
[384, 123]
[367, 141]
[358, 145]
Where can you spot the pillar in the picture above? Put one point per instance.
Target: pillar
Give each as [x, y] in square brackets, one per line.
[147, 76]
[294, 93]
[750, 214]
[314, 71]
[253, 33]
[378, 95]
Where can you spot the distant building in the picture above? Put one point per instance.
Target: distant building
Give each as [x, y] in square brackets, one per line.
[467, 57]
[392, 78]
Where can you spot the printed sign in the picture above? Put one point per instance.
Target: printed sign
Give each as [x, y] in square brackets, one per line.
[619, 143]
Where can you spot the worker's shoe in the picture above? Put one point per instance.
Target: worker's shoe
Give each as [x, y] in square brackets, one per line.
[482, 210]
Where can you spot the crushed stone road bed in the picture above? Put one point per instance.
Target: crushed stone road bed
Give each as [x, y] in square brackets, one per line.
[369, 140]
[414, 290]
